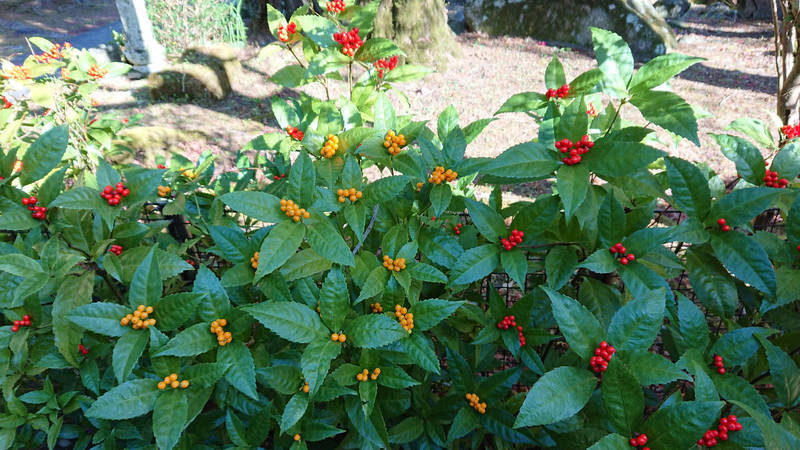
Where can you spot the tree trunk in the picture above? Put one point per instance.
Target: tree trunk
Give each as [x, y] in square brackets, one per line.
[787, 60]
[419, 28]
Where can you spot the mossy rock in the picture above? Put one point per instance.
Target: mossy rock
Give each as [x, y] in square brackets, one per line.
[143, 144]
[188, 82]
[220, 57]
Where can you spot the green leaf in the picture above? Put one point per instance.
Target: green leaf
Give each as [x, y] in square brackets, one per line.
[669, 111]
[693, 325]
[711, 282]
[739, 345]
[44, 154]
[425, 272]
[280, 244]
[475, 128]
[174, 310]
[680, 425]
[377, 48]
[408, 430]
[289, 76]
[316, 361]
[319, 29]
[559, 265]
[169, 417]
[302, 181]
[73, 292]
[205, 374]
[326, 240]
[615, 59]
[579, 326]
[258, 205]
[428, 313]
[731, 388]
[292, 321]
[384, 113]
[755, 129]
[146, 284]
[636, 325]
[783, 372]
[475, 264]
[420, 350]
[622, 398]
[195, 340]
[294, 411]
[615, 158]
[334, 300]
[236, 429]
[515, 264]
[742, 205]
[554, 76]
[601, 261]
[128, 400]
[572, 183]
[80, 197]
[659, 70]
[611, 220]
[689, 187]
[787, 161]
[523, 102]
[214, 303]
[556, 396]
[127, 351]
[100, 318]
[241, 372]
[407, 72]
[585, 82]
[745, 259]
[775, 436]
[464, 422]
[749, 162]
[489, 223]
[384, 189]
[528, 160]
[610, 442]
[440, 198]
[374, 284]
[373, 331]
[650, 368]
[395, 378]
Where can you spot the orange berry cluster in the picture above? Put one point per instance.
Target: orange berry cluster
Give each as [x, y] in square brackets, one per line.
[406, 318]
[475, 403]
[254, 260]
[189, 173]
[394, 264]
[285, 33]
[54, 54]
[394, 143]
[296, 437]
[305, 387]
[365, 375]
[349, 40]
[771, 180]
[376, 308]
[223, 337]
[164, 191]
[18, 73]
[351, 193]
[440, 175]
[330, 147]
[139, 318]
[335, 6]
[293, 210]
[338, 337]
[419, 186]
[97, 72]
[295, 133]
[172, 381]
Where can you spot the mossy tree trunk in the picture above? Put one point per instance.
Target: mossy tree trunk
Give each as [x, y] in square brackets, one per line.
[419, 28]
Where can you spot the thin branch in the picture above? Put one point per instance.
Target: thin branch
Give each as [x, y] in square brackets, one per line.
[368, 230]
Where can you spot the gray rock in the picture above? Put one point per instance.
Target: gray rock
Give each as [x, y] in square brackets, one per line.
[756, 9]
[672, 9]
[636, 21]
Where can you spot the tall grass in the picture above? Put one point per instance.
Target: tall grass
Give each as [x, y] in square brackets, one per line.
[179, 24]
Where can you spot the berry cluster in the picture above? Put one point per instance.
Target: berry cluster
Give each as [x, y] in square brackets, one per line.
[511, 321]
[639, 440]
[338, 337]
[561, 92]
[305, 387]
[113, 195]
[575, 149]
[172, 381]
[394, 143]
[726, 425]
[349, 40]
[620, 252]
[771, 180]
[602, 357]
[115, 249]
[285, 33]
[457, 228]
[25, 322]
[723, 225]
[56, 52]
[97, 72]
[591, 111]
[37, 212]
[475, 403]
[293, 210]
[189, 173]
[513, 240]
[419, 186]
[160, 166]
[7, 104]
[351, 194]
[406, 318]
[394, 264]
[164, 191]
[254, 260]
[139, 318]
[330, 147]
[385, 64]
[364, 375]
[791, 131]
[279, 177]
[376, 308]
[295, 133]
[223, 337]
[17, 73]
[719, 364]
[335, 6]
[83, 350]
[296, 437]
[439, 174]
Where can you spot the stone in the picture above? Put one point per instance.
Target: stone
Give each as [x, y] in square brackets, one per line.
[755, 9]
[672, 9]
[568, 21]
[220, 58]
[188, 82]
[141, 48]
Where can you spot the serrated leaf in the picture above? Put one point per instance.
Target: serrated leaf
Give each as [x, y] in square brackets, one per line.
[44, 154]
[746, 260]
[316, 361]
[669, 111]
[636, 325]
[169, 417]
[101, 318]
[292, 321]
[689, 187]
[558, 395]
[475, 264]
[195, 340]
[126, 401]
[428, 313]
[280, 244]
[127, 351]
[659, 70]
[579, 326]
[680, 425]
[241, 372]
[73, 292]
[373, 331]
[258, 205]
[622, 397]
[326, 240]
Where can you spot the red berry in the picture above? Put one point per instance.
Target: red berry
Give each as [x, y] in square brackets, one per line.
[726, 228]
[634, 442]
[26, 317]
[721, 371]
[720, 222]
[630, 256]
[15, 328]
[623, 261]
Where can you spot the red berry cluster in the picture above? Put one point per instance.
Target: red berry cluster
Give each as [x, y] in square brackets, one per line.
[161, 166]
[285, 33]
[723, 225]
[191, 262]
[37, 212]
[384, 63]
[639, 441]
[25, 322]
[561, 92]
[115, 249]
[7, 104]
[335, 6]
[279, 177]
[592, 111]
[718, 363]
[602, 356]
[620, 252]
[513, 240]
[83, 349]
[113, 195]
[791, 131]
[350, 41]
[726, 424]
[510, 321]
[771, 180]
[575, 149]
[295, 133]
[457, 228]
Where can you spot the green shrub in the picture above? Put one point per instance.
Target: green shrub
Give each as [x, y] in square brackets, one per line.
[398, 266]
[181, 24]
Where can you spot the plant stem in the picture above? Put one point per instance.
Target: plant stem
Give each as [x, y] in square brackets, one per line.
[616, 115]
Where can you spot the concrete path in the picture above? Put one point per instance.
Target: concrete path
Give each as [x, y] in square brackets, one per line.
[87, 39]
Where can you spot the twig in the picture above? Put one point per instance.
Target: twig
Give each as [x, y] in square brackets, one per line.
[368, 230]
